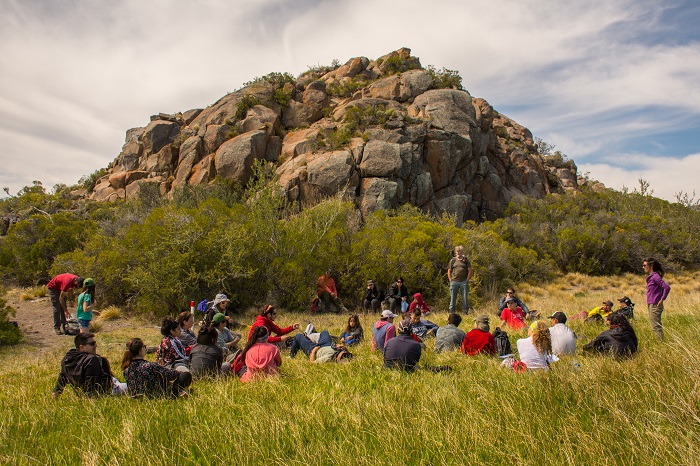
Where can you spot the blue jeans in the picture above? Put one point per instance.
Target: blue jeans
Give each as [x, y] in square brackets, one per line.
[455, 288]
[306, 345]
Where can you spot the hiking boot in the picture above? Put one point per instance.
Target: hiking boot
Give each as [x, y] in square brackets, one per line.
[58, 331]
[310, 329]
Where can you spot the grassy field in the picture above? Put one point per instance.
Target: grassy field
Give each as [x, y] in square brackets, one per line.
[642, 411]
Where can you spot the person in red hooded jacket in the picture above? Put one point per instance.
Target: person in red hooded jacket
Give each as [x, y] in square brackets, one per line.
[266, 319]
[419, 304]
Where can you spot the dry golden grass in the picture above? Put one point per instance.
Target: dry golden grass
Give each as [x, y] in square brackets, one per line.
[27, 294]
[110, 313]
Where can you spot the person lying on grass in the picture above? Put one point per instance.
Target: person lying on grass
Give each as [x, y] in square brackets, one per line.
[322, 351]
[619, 341]
[149, 379]
[85, 371]
[262, 359]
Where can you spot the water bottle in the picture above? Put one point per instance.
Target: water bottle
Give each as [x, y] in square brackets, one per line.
[192, 307]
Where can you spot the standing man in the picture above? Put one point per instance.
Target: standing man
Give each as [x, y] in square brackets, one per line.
[459, 272]
[58, 289]
[657, 292]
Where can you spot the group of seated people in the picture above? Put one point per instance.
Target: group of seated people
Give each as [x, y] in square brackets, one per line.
[215, 350]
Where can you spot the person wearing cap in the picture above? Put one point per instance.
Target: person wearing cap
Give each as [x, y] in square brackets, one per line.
[402, 352]
[322, 351]
[563, 338]
[513, 315]
[459, 272]
[219, 305]
[373, 297]
[510, 293]
[266, 319]
[85, 371]
[86, 301]
[227, 340]
[422, 328]
[598, 314]
[60, 288]
[328, 293]
[626, 307]
[419, 304]
[479, 340]
[449, 337]
[383, 330]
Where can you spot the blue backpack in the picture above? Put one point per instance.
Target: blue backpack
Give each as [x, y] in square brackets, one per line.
[203, 306]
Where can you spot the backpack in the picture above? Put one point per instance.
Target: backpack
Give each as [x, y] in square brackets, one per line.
[203, 306]
[72, 327]
[503, 347]
[627, 311]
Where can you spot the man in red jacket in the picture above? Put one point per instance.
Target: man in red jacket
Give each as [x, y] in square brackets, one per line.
[266, 319]
[58, 287]
[479, 340]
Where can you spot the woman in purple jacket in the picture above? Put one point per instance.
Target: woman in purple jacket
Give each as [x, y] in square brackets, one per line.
[657, 292]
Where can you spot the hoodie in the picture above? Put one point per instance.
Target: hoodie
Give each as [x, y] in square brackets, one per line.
[419, 303]
[262, 321]
[382, 332]
[86, 372]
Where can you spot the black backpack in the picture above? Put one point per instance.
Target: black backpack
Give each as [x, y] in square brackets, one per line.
[502, 342]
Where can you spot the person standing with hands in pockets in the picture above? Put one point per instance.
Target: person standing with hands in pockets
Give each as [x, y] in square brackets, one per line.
[459, 272]
[657, 292]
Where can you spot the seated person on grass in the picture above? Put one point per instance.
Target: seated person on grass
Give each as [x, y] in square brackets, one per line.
[419, 304]
[373, 297]
[353, 332]
[148, 378]
[619, 341]
[206, 357]
[278, 335]
[323, 351]
[536, 350]
[227, 340]
[403, 352]
[262, 359]
[479, 340]
[513, 315]
[510, 293]
[563, 338]
[450, 337]
[383, 330]
[171, 352]
[626, 307]
[85, 371]
[422, 328]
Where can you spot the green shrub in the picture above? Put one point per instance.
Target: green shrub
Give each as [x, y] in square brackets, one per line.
[9, 332]
[395, 64]
[247, 102]
[346, 88]
[445, 79]
[283, 96]
[274, 78]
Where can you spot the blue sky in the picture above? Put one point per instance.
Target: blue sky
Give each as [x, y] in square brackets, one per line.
[613, 83]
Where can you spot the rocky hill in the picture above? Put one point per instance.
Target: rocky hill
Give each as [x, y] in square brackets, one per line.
[382, 132]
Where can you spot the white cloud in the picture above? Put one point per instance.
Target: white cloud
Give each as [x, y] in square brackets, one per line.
[666, 176]
[76, 75]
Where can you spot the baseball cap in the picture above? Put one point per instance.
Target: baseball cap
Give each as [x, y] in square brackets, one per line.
[481, 319]
[625, 300]
[560, 316]
[387, 313]
[609, 303]
[218, 318]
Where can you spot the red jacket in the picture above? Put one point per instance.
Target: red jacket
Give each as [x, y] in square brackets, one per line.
[477, 341]
[262, 321]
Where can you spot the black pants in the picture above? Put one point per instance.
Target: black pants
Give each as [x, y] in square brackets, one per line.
[375, 305]
[183, 381]
[59, 318]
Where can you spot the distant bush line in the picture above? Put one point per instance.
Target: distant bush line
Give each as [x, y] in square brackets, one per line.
[154, 255]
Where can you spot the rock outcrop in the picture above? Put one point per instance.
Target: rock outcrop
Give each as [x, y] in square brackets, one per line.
[382, 132]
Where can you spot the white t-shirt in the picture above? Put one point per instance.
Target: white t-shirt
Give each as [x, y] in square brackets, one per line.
[563, 340]
[532, 359]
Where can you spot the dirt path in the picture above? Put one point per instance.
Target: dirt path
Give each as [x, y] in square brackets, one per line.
[35, 318]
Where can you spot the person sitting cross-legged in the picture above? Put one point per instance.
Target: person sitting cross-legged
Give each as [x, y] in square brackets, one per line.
[383, 330]
[403, 352]
[563, 338]
[513, 315]
[479, 340]
[450, 337]
[422, 328]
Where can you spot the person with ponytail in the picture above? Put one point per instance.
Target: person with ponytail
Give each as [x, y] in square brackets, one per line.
[86, 301]
[261, 358]
[206, 357]
[149, 379]
[171, 352]
[657, 292]
[267, 319]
